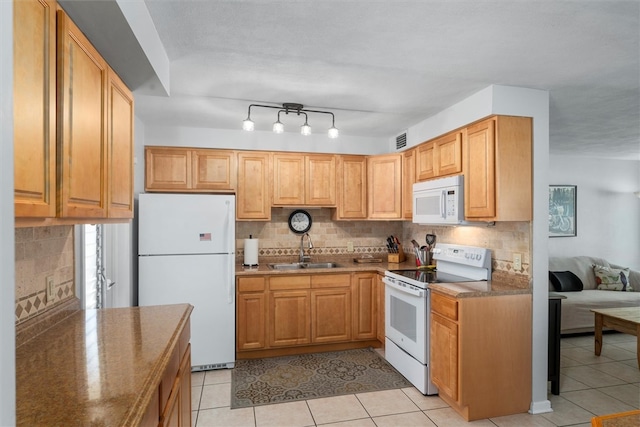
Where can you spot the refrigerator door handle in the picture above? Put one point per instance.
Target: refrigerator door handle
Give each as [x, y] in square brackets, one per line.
[231, 258]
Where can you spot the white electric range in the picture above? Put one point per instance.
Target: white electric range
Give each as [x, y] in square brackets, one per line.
[408, 306]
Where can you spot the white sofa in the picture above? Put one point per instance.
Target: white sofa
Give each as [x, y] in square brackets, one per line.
[576, 314]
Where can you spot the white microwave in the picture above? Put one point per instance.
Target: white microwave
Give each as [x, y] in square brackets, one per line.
[439, 201]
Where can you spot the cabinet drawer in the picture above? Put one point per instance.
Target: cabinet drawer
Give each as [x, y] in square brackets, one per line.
[444, 306]
[331, 281]
[251, 284]
[289, 282]
[169, 377]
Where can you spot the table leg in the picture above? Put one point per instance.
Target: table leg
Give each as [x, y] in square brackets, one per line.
[598, 334]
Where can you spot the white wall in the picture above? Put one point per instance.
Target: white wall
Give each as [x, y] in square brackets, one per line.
[260, 140]
[608, 213]
[7, 234]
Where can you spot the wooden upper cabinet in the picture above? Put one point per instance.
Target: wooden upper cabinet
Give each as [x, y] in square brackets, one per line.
[498, 169]
[440, 157]
[288, 179]
[190, 170]
[352, 188]
[214, 170]
[300, 179]
[34, 105]
[253, 198]
[167, 169]
[384, 186]
[425, 161]
[82, 130]
[120, 117]
[320, 179]
[408, 179]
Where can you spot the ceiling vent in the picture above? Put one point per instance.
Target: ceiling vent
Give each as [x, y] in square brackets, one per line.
[401, 140]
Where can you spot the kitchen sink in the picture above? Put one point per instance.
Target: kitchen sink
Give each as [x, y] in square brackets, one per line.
[302, 265]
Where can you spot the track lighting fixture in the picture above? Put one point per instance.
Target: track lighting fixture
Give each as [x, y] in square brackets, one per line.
[290, 107]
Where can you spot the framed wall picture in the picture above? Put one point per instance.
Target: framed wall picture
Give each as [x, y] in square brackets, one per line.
[562, 210]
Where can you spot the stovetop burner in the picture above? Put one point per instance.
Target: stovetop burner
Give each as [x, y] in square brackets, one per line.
[431, 276]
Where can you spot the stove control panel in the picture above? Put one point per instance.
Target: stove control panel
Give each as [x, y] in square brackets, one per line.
[466, 255]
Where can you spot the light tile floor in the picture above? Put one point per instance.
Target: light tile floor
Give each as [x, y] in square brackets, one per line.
[589, 385]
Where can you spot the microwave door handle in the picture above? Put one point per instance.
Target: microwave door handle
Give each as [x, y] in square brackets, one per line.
[443, 204]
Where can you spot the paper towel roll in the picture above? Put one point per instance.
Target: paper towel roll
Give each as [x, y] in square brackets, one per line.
[250, 251]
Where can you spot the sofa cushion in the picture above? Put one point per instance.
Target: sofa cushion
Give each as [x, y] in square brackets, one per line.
[576, 308]
[565, 281]
[581, 266]
[612, 279]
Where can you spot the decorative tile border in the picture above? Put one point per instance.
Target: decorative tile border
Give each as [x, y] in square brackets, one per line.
[36, 303]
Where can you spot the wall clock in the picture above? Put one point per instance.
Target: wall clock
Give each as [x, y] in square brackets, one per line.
[300, 221]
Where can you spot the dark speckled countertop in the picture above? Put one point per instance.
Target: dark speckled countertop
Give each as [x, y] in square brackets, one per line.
[96, 367]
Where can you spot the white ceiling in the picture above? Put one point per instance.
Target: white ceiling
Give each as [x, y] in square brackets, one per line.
[382, 66]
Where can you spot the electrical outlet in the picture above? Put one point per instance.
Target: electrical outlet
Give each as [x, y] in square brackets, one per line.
[50, 289]
[517, 261]
[349, 246]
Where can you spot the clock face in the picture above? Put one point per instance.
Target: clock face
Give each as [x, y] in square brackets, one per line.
[300, 221]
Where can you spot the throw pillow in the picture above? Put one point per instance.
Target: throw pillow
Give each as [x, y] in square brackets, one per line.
[612, 279]
[565, 281]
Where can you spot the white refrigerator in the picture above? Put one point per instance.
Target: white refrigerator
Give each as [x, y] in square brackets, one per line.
[186, 254]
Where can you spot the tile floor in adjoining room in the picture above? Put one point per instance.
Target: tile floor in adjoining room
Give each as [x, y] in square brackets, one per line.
[589, 386]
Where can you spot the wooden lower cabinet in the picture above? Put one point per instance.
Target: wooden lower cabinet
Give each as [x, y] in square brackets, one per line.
[277, 314]
[330, 315]
[364, 305]
[480, 353]
[289, 313]
[171, 402]
[380, 309]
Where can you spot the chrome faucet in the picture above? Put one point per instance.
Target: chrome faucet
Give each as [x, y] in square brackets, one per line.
[304, 258]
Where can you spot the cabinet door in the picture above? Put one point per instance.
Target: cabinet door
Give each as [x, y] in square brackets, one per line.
[479, 173]
[449, 154]
[330, 315]
[288, 179]
[185, 389]
[408, 179]
[364, 306]
[380, 308]
[384, 186]
[251, 313]
[213, 170]
[82, 107]
[253, 198]
[444, 355]
[34, 106]
[167, 169]
[289, 318]
[425, 161]
[352, 187]
[320, 180]
[120, 149]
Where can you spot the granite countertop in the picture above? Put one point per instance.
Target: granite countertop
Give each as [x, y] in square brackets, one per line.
[346, 265]
[502, 283]
[96, 367]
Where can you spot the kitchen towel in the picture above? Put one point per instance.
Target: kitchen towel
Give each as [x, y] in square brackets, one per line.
[251, 251]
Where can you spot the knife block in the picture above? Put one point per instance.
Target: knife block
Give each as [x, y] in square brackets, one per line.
[396, 258]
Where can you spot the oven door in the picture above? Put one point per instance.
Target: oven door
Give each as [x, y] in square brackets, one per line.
[407, 317]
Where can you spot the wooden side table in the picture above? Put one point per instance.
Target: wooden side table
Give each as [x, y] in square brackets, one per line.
[553, 361]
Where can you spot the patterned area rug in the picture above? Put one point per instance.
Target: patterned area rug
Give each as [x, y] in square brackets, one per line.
[309, 376]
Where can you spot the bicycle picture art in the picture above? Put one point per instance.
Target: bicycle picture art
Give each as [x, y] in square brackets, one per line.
[562, 210]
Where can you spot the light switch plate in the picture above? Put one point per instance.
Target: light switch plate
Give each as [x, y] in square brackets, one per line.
[349, 246]
[50, 289]
[517, 261]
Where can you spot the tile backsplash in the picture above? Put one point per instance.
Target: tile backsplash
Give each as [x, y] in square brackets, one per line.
[43, 252]
[368, 237]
